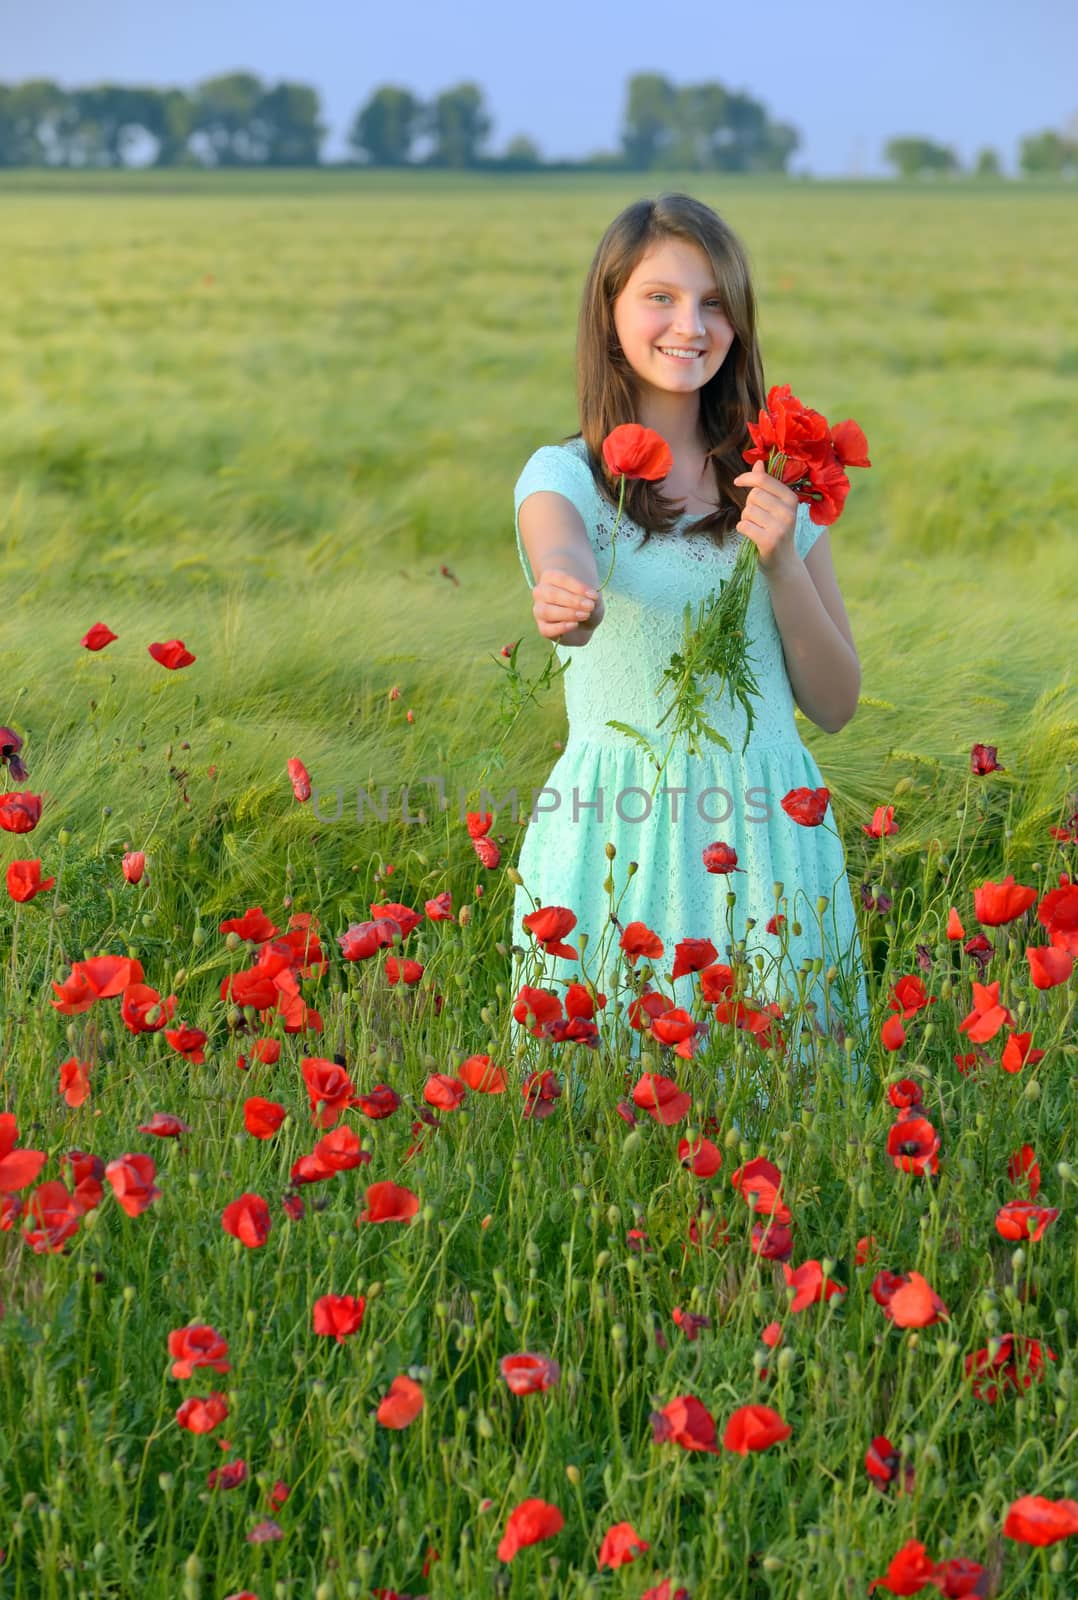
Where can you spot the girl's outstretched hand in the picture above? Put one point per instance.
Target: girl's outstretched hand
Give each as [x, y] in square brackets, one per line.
[769, 516]
[562, 603]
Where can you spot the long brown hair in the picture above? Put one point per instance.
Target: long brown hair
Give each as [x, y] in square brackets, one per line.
[606, 382]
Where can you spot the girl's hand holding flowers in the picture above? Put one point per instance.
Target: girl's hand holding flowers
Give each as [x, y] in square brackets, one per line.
[769, 517]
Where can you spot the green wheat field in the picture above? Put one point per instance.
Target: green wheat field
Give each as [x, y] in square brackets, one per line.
[280, 417]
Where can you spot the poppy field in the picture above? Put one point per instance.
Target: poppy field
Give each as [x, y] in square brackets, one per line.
[352, 1243]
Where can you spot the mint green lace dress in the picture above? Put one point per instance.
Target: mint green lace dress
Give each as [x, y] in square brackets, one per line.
[599, 788]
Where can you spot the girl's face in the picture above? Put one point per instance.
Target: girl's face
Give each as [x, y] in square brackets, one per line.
[671, 301]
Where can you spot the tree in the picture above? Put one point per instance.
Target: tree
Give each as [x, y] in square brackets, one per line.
[915, 157]
[225, 126]
[385, 129]
[109, 120]
[986, 163]
[287, 116]
[522, 153]
[650, 120]
[458, 125]
[1048, 152]
[37, 124]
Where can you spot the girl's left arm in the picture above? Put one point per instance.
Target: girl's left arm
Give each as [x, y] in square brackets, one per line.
[822, 663]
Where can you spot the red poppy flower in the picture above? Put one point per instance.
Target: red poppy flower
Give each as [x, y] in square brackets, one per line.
[24, 880]
[538, 1005]
[997, 903]
[202, 1416]
[892, 1034]
[1036, 1520]
[262, 1118]
[548, 926]
[75, 1081]
[1024, 1164]
[987, 1016]
[908, 996]
[173, 654]
[721, 858]
[885, 1465]
[142, 1009]
[883, 822]
[230, 1476]
[661, 1098]
[253, 927]
[958, 1577]
[480, 1075]
[955, 929]
[541, 1091]
[915, 1304]
[247, 1219]
[20, 813]
[1024, 1219]
[1010, 1362]
[188, 1042]
[86, 1172]
[379, 1102]
[637, 939]
[329, 1088]
[982, 759]
[132, 1182]
[299, 778]
[402, 971]
[404, 916]
[57, 1214]
[402, 1404]
[806, 806]
[164, 1126]
[884, 1285]
[387, 1202]
[690, 1323]
[913, 1145]
[621, 1545]
[908, 1572]
[759, 1183]
[772, 1241]
[865, 1248]
[133, 865]
[754, 1428]
[702, 1158]
[905, 1094]
[810, 1285]
[443, 1092]
[687, 1422]
[633, 451]
[1058, 912]
[197, 1345]
[1018, 1052]
[529, 1374]
[98, 637]
[338, 1316]
[529, 1523]
[1048, 965]
[340, 1151]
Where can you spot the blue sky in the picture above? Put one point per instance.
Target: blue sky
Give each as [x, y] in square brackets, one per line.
[964, 72]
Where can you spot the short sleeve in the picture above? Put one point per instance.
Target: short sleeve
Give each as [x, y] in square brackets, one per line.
[564, 472]
[806, 532]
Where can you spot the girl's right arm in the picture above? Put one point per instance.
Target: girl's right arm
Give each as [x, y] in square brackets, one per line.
[567, 605]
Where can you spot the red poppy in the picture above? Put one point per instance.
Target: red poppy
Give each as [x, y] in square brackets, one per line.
[230, 1476]
[702, 1158]
[98, 637]
[997, 903]
[482, 1076]
[1036, 1520]
[637, 940]
[20, 813]
[690, 1322]
[404, 916]
[338, 1316]
[299, 778]
[958, 1577]
[173, 654]
[913, 1145]
[361, 940]
[539, 1005]
[955, 929]
[164, 1126]
[1058, 912]
[402, 1404]
[24, 880]
[982, 759]
[908, 996]
[915, 1304]
[548, 927]
[810, 1285]
[247, 1219]
[202, 1416]
[188, 1042]
[340, 1151]
[250, 986]
[721, 858]
[772, 1241]
[329, 1088]
[909, 1571]
[883, 822]
[687, 1422]
[402, 971]
[630, 450]
[262, 1118]
[754, 1428]
[197, 1345]
[388, 1202]
[541, 1091]
[806, 806]
[1024, 1164]
[988, 1014]
[132, 1182]
[529, 1374]
[1018, 1052]
[885, 1465]
[443, 1092]
[142, 1009]
[379, 1102]
[133, 865]
[253, 927]
[759, 1183]
[86, 1172]
[1024, 1219]
[892, 1034]
[1049, 966]
[621, 1545]
[529, 1523]
[75, 1081]
[661, 1098]
[865, 1248]
[57, 1214]
[905, 1094]
[1011, 1362]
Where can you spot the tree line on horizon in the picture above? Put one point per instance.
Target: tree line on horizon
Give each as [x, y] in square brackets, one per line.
[236, 120]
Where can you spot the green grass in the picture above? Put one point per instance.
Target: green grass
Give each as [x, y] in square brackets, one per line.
[261, 414]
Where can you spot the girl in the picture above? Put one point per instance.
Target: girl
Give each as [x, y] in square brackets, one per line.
[667, 339]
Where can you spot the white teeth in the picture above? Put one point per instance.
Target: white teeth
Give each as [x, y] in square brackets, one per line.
[682, 355]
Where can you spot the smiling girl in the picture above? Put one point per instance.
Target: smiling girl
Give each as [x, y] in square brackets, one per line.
[667, 339]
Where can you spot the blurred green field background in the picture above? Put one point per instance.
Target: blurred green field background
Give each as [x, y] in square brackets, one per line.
[260, 412]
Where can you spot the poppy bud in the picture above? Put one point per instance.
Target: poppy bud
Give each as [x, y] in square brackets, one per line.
[821, 903]
[786, 1357]
[232, 940]
[1066, 1172]
[795, 928]
[464, 916]
[602, 1260]
[513, 875]
[1032, 1090]
[573, 1474]
[633, 868]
